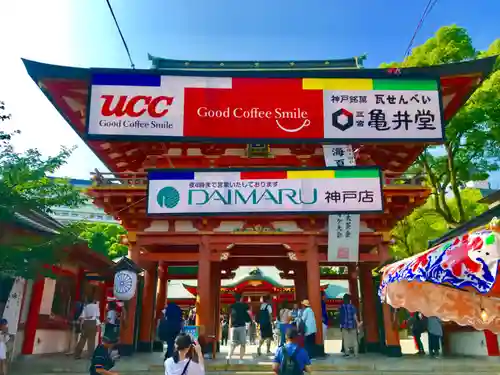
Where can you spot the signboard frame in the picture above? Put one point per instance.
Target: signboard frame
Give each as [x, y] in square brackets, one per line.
[263, 169]
[384, 74]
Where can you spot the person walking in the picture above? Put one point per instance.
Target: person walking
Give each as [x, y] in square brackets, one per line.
[187, 358]
[349, 324]
[239, 317]
[111, 325]
[435, 331]
[285, 317]
[102, 360]
[90, 321]
[291, 359]
[266, 325]
[324, 315]
[418, 326]
[170, 326]
[224, 331]
[309, 328]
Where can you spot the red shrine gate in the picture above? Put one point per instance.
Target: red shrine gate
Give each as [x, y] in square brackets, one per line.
[216, 244]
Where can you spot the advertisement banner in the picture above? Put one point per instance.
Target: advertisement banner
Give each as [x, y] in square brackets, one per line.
[264, 191]
[266, 110]
[343, 229]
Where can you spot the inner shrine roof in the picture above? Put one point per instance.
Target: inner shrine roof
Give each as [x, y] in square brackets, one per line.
[334, 288]
[67, 89]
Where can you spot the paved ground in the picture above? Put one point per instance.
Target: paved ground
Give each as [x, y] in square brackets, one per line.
[152, 364]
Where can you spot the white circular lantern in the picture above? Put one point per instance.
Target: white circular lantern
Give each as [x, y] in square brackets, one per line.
[125, 285]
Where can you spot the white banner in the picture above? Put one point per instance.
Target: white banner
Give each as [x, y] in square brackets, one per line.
[343, 229]
[13, 305]
[383, 114]
[324, 190]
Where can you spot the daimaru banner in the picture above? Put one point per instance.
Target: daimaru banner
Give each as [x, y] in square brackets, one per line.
[256, 110]
[264, 191]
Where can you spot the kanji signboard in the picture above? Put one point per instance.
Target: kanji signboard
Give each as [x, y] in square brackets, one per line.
[253, 110]
[382, 113]
[264, 191]
[343, 229]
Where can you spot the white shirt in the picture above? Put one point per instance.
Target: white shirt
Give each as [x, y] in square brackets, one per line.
[172, 368]
[91, 312]
[269, 307]
[285, 315]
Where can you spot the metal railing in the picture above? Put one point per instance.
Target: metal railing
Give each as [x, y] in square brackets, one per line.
[140, 179]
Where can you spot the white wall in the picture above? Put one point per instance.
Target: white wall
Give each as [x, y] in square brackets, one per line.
[468, 343]
[48, 296]
[51, 341]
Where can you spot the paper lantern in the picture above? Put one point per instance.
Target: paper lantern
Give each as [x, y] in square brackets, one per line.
[125, 285]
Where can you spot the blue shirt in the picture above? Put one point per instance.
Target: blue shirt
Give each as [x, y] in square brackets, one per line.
[348, 316]
[324, 314]
[301, 355]
[309, 321]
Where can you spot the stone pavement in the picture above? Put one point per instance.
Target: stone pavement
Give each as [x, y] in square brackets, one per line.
[152, 364]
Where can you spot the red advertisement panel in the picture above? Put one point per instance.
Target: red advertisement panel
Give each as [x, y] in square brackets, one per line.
[254, 108]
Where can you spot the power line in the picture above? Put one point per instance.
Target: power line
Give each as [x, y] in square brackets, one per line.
[121, 34]
[427, 10]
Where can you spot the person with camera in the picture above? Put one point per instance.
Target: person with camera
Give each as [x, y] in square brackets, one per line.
[187, 358]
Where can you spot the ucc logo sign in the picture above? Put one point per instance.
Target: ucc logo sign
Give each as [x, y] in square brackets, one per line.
[136, 106]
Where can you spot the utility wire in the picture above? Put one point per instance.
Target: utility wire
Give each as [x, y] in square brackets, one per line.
[121, 34]
[427, 10]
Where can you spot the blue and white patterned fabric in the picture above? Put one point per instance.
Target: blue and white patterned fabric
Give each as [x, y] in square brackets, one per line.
[467, 261]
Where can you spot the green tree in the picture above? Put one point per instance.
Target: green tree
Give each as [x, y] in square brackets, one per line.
[472, 147]
[333, 270]
[103, 238]
[412, 234]
[25, 189]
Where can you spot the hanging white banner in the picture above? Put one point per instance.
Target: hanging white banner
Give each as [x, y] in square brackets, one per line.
[343, 229]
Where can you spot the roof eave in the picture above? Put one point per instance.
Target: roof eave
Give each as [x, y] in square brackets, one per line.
[330, 64]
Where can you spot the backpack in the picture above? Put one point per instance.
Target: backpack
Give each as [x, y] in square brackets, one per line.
[264, 316]
[289, 364]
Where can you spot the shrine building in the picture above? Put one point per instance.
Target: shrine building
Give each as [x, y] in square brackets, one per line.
[295, 165]
[253, 284]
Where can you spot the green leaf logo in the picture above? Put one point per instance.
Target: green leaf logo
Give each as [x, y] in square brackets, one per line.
[168, 197]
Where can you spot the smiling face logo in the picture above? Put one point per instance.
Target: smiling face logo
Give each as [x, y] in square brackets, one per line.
[304, 124]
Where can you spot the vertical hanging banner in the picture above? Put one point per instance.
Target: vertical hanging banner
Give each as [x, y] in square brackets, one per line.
[343, 229]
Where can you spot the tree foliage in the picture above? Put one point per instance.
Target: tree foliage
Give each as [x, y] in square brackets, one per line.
[471, 150]
[412, 234]
[333, 271]
[25, 189]
[103, 238]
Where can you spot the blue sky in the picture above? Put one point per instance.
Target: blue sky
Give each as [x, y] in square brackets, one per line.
[82, 33]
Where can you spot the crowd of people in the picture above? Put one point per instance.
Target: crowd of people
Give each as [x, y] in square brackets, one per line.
[294, 332]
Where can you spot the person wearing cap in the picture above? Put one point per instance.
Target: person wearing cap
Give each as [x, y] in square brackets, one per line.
[309, 328]
[102, 361]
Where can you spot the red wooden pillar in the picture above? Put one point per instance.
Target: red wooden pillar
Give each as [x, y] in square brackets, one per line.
[299, 282]
[203, 300]
[392, 342]
[32, 320]
[353, 286]
[147, 314]
[161, 301]
[369, 307]
[314, 288]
